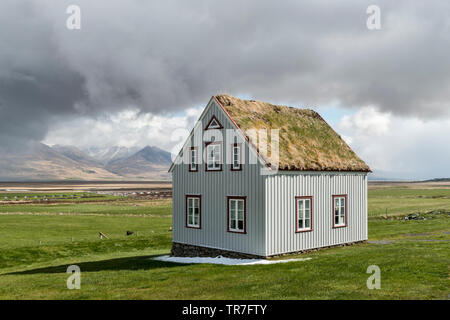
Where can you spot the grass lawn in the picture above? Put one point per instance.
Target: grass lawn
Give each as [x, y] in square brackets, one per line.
[400, 201]
[413, 255]
[128, 207]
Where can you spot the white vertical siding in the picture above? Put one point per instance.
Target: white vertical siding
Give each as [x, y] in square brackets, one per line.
[214, 187]
[281, 190]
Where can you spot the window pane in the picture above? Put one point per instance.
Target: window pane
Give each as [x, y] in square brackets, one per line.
[195, 220]
[300, 213]
[241, 204]
[342, 202]
[236, 157]
[217, 156]
[307, 223]
[300, 223]
[241, 215]
[233, 224]
[300, 205]
[336, 220]
[307, 203]
[193, 156]
[233, 214]
[209, 155]
[241, 225]
[308, 214]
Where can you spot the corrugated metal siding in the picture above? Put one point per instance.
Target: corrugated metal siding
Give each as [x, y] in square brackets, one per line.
[214, 187]
[281, 190]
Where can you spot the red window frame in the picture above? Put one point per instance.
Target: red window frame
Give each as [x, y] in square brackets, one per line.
[196, 159]
[199, 197]
[311, 228]
[245, 213]
[232, 157]
[345, 196]
[221, 159]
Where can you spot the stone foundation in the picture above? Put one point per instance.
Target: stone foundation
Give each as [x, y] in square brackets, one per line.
[189, 250]
[317, 249]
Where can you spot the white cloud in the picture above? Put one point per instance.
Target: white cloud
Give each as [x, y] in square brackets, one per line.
[394, 147]
[368, 121]
[127, 128]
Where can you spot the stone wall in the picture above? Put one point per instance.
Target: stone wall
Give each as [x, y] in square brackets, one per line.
[317, 249]
[188, 250]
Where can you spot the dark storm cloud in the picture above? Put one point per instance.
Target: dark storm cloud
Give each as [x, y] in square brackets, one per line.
[165, 56]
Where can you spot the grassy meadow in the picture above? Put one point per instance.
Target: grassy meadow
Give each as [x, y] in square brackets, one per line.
[39, 241]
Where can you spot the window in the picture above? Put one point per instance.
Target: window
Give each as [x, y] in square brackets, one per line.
[193, 163]
[304, 213]
[339, 211]
[193, 211]
[213, 156]
[236, 163]
[213, 124]
[236, 214]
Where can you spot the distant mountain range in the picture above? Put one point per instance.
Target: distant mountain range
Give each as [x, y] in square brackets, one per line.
[106, 155]
[60, 162]
[438, 180]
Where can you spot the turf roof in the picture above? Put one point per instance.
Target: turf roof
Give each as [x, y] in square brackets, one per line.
[306, 141]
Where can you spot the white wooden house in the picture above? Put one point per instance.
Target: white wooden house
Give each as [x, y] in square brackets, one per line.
[231, 198]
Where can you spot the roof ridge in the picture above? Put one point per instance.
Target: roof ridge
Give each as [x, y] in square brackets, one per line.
[260, 101]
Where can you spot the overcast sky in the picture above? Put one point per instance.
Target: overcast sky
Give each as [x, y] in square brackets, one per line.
[137, 70]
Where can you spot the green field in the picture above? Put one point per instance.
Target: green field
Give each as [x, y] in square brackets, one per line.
[399, 201]
[40, 240]
[56, 196]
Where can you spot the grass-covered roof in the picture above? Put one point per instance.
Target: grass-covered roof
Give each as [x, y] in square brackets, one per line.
[306, 141]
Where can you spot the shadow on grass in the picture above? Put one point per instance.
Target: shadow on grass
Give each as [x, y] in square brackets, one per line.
[129, 263]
